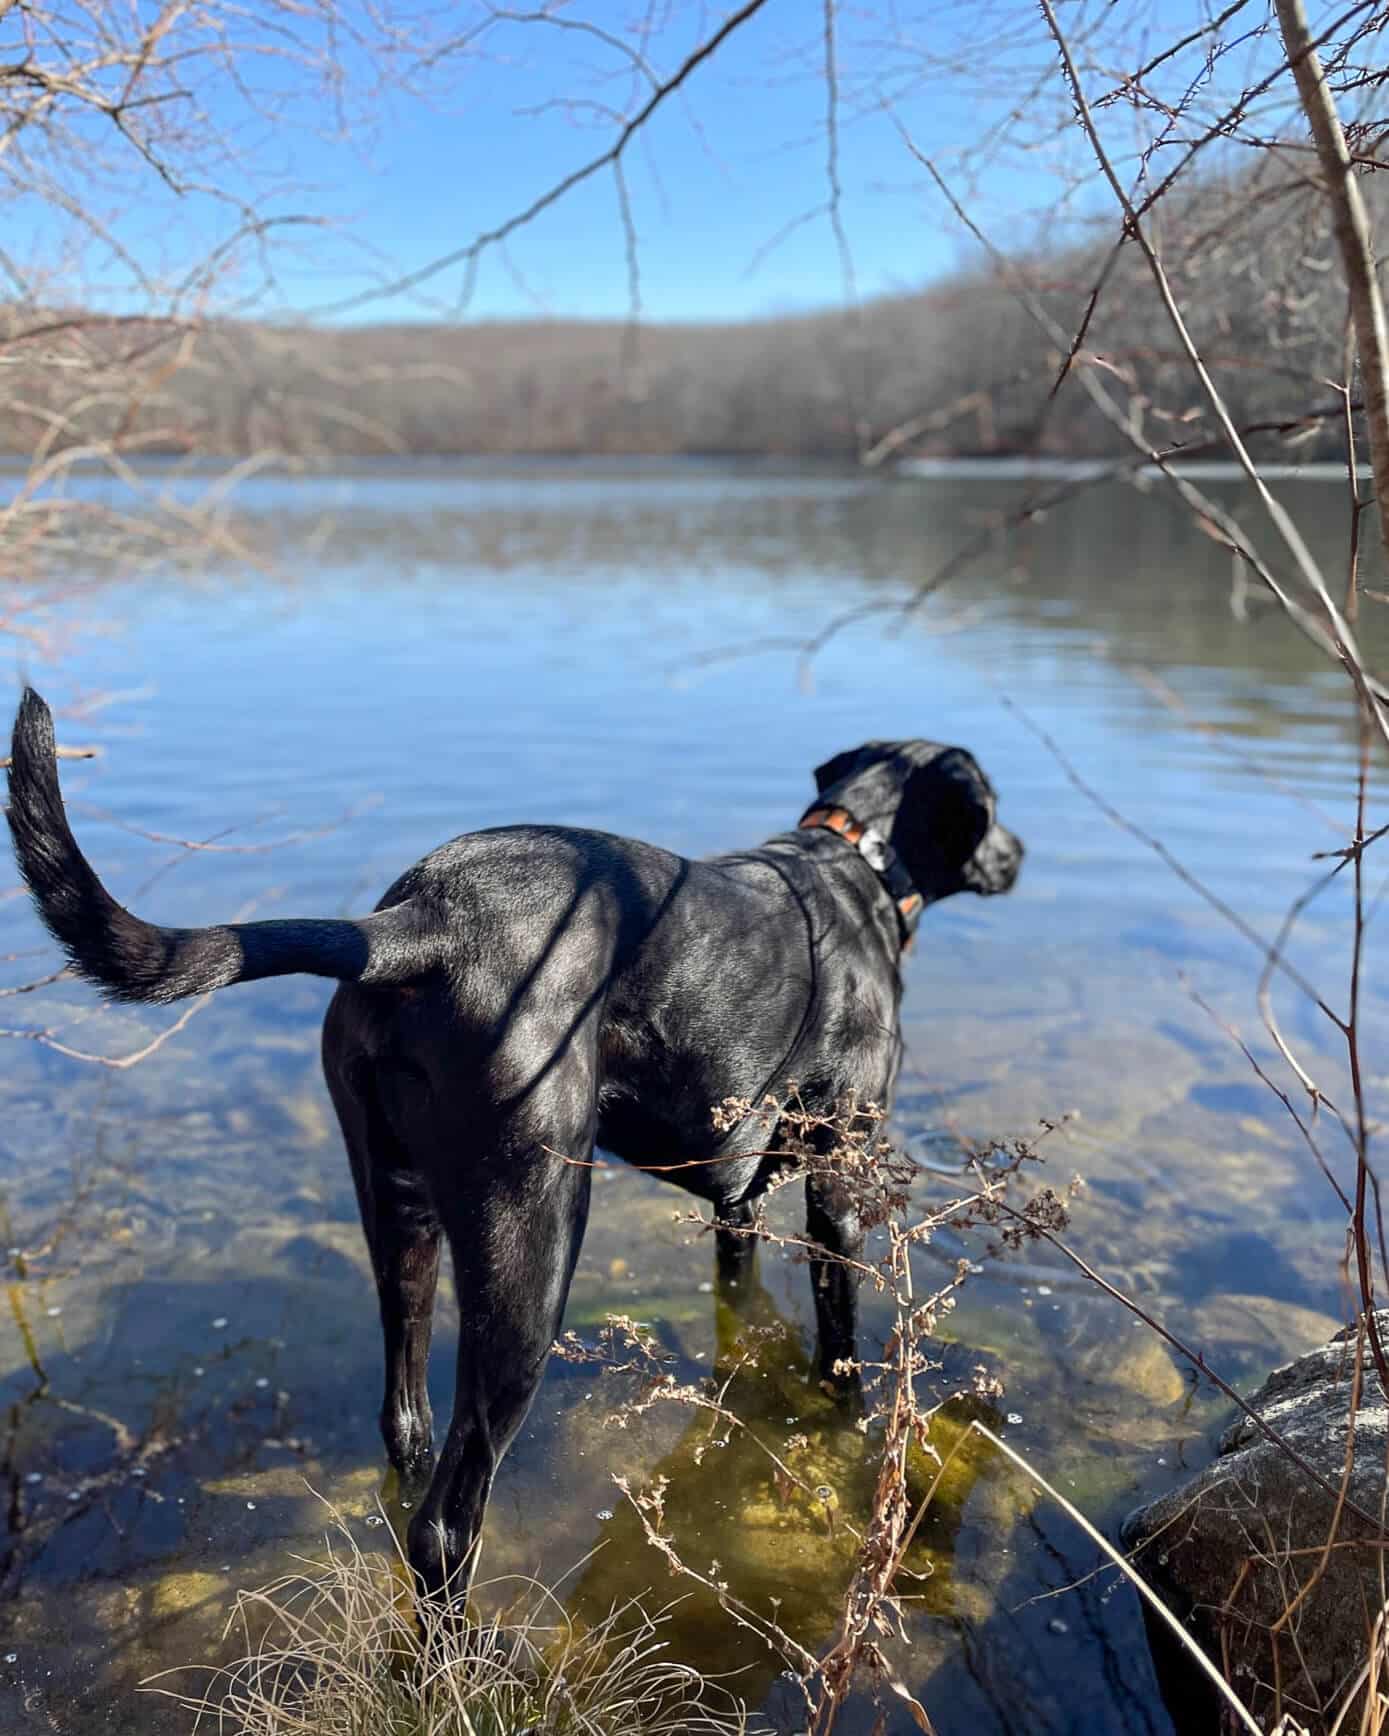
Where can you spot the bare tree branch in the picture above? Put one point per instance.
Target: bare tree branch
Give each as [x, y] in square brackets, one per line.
[468, 256]
[1352, 229]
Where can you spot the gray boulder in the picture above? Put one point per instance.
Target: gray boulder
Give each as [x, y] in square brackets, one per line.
[1231, 1549]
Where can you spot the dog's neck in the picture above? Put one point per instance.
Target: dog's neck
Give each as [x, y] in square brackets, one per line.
[880, 857]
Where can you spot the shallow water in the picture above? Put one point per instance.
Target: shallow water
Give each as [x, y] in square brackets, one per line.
[190, 1355]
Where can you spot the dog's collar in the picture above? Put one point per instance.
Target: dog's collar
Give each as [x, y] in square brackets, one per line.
[881, 858]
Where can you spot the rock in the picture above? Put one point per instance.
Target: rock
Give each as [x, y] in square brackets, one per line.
[308, 1114]
[1258, 1329]
[1232, 1548]
[1136, 1362]
[187, 1592]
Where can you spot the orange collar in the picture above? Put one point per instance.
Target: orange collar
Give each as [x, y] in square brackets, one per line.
[881, 858]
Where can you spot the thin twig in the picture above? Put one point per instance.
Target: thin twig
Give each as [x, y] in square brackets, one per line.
[469, 254]
[1342, 637]
[1198, 1361]
[1140, 1585]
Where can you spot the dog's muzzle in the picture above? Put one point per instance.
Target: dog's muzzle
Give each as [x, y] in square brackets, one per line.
[994, 865]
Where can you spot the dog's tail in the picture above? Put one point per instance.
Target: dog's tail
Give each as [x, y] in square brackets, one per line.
[134, 960]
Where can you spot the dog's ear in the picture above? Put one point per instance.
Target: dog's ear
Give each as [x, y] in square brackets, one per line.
[835, 769]
[945, 814]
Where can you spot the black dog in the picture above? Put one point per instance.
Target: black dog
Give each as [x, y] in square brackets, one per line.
[523, 994]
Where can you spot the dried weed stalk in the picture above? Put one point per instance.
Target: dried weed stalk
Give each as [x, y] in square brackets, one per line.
[892, 1399]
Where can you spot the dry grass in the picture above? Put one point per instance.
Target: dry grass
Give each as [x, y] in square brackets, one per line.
[339, 1647]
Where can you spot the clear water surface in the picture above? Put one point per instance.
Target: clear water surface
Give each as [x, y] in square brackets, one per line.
[189, 1356]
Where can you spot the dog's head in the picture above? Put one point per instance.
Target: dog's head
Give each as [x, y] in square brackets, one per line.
[934, 806]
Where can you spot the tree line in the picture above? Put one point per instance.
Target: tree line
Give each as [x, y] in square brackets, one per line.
[957, 368]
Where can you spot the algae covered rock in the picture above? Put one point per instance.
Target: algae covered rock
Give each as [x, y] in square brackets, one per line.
[774, 1504]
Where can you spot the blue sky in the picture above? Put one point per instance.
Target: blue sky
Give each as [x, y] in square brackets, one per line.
[722, 185]
[727, 184]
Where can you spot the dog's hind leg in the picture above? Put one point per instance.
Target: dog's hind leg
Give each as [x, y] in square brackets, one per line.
[515, 1220]
[403, 1236]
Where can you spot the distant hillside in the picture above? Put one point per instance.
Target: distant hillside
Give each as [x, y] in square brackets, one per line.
[962, 360]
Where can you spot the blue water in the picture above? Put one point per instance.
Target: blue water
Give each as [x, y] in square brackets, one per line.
[422, 651]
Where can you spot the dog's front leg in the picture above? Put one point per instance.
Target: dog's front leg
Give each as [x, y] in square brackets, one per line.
[833, 1224]
[736, 1247]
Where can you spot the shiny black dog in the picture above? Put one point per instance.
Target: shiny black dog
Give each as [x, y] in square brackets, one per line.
[523, 994]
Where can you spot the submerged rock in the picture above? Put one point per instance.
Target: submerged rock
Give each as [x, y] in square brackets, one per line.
[1240, 1550]
[188, 1593]
[1135, 1362]
[1260, 1330]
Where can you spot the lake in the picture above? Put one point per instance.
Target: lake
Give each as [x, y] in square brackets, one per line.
[401, 652]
